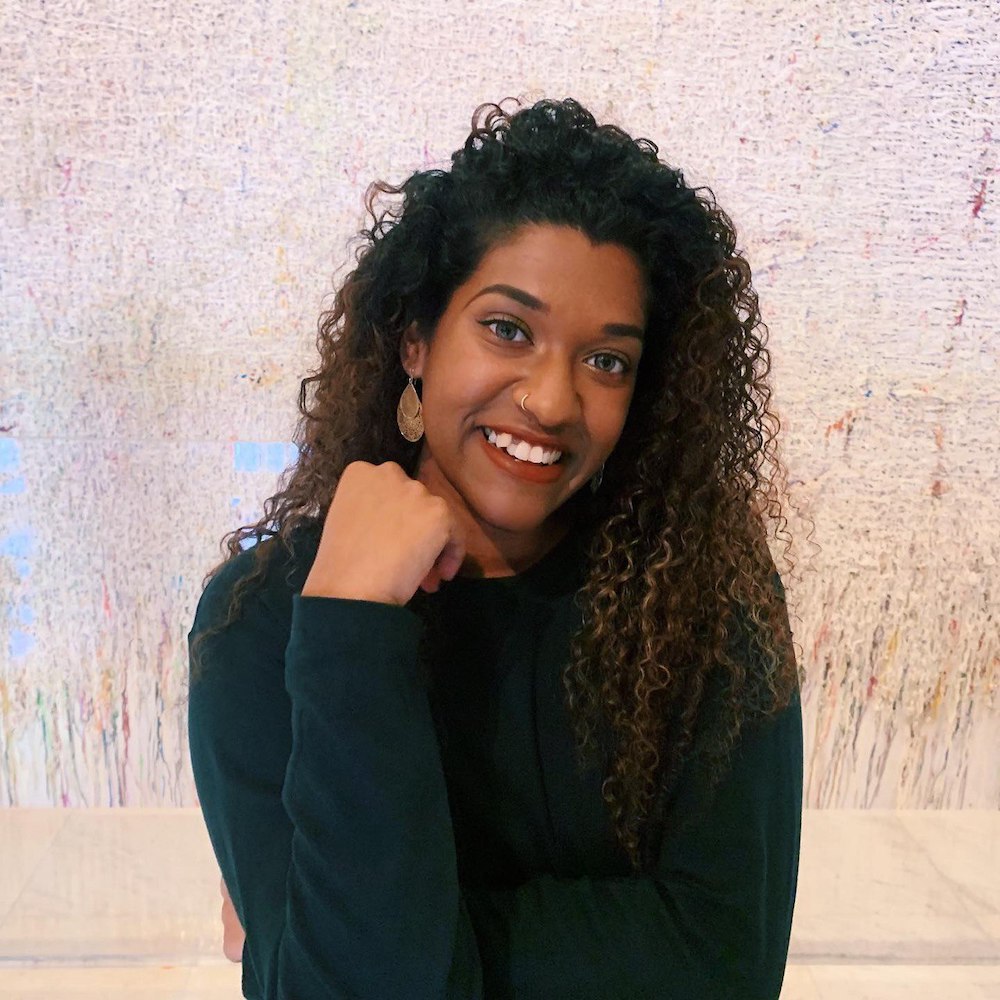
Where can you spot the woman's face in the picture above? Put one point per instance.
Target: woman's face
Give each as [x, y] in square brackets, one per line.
[490, 348]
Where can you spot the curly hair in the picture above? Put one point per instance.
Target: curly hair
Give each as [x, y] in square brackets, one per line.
[680, 593]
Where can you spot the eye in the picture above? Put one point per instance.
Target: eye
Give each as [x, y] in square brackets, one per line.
[504, 322]
[625, 366]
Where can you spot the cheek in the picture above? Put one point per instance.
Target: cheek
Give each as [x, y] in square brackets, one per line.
[606, 425]
[464, 392]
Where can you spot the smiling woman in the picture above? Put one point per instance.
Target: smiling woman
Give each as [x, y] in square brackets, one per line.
[504, 702]
[544, 390]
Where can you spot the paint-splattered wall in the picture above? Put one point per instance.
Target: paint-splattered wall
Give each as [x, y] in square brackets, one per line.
[179, 185]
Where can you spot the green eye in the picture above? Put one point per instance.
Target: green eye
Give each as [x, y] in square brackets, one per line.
[626, 365]
[625, 369]
[504, 322]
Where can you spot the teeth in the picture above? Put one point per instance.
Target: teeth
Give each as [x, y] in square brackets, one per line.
[536, 454]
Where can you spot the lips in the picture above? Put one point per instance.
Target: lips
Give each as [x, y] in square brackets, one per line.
[526, 471]
[551, 444]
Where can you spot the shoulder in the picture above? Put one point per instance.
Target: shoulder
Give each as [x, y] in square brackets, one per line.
[286, 567]
[239, 713]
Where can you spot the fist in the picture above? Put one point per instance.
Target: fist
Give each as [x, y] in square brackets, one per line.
[384, 536]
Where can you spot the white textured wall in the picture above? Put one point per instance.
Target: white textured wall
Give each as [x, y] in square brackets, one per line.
[178, 185]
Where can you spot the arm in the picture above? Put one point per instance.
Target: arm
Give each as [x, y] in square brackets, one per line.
[333, 833]
[713, 922]
[318, 775]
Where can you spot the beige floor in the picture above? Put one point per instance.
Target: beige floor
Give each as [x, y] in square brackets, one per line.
[109, 904]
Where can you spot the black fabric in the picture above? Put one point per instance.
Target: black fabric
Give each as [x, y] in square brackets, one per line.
[393, 798]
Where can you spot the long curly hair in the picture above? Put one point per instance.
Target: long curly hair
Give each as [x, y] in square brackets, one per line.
[681, 594]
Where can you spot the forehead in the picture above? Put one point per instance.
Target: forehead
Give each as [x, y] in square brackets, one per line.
[562, 266]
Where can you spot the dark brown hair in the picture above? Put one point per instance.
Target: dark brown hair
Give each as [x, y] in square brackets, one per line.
[681, 591]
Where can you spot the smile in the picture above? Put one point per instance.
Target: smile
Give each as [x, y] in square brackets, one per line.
[521, 450]
[520, 469]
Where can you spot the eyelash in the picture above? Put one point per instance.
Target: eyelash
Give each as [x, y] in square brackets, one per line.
[603, 354]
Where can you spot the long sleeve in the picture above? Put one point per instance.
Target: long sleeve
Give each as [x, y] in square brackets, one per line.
[341, 868]
[319, 775]
[714, 921]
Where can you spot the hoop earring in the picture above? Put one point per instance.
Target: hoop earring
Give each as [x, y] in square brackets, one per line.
[409, 413]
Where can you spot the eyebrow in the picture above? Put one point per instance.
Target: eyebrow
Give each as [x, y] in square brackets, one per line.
[526, 299]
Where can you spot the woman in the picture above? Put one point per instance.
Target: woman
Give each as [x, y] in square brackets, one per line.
[503, 703]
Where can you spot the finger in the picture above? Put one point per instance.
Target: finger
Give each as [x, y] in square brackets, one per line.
[451, 558]
[232, 948]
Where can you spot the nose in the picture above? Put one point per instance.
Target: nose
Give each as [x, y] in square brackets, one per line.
[553, 399]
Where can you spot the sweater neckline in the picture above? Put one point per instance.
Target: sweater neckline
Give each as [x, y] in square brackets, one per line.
[557, 572]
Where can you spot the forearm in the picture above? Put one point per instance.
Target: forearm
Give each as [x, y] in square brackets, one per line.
[372, 887]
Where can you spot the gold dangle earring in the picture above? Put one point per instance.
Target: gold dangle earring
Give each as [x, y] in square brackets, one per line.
[409, 415]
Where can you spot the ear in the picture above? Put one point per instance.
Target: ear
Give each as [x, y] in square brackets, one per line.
[413, 351]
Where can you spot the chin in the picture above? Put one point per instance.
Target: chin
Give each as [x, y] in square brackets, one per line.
[512, 513]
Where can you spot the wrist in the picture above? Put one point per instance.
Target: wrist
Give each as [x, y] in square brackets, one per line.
[341, 590]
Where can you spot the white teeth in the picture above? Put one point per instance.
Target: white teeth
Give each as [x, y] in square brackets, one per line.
[536, 454]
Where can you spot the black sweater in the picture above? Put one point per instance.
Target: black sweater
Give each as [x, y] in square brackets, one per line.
[386, 832]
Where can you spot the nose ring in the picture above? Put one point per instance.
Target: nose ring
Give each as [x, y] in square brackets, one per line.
[523, 398]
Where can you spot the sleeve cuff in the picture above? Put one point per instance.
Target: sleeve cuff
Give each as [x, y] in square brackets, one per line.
[337, 644]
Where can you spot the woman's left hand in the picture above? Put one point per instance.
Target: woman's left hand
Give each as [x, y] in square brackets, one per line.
[233, 934]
